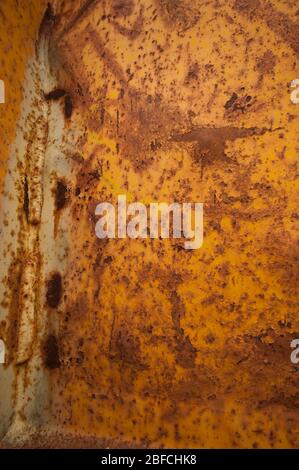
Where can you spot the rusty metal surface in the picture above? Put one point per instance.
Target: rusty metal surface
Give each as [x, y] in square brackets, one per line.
[140, 342]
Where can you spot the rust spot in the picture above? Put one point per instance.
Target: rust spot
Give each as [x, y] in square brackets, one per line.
[49, 13]
[60, 195]
[266, 63]
[231, 101]
[68, 107]
[51, 353]
[26, 198]
[54, 290]
[238, 104]
[55, 94]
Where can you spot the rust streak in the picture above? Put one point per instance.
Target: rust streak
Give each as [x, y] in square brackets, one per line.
[81, 14]
[136, 28]
[107, 57]
[277, 21]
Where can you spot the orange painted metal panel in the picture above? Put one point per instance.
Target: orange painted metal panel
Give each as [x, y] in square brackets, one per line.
[141, 342]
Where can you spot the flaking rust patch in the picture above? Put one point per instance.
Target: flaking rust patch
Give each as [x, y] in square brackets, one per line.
[54, 290]
[51, 355]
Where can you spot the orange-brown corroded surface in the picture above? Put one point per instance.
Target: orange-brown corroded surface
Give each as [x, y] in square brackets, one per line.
[150, 344]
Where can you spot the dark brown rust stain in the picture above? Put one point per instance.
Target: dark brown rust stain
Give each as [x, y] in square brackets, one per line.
[68, 106]
[61, 192]
[26, 198]
[61, 199]
[70, 73]
[230, 103]
[207, 135]
[277, 21]
[99, 265]
[55, 94]
[238, 104]
[54, 290]
[51, 352]
[211, 142]
[48, 22]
